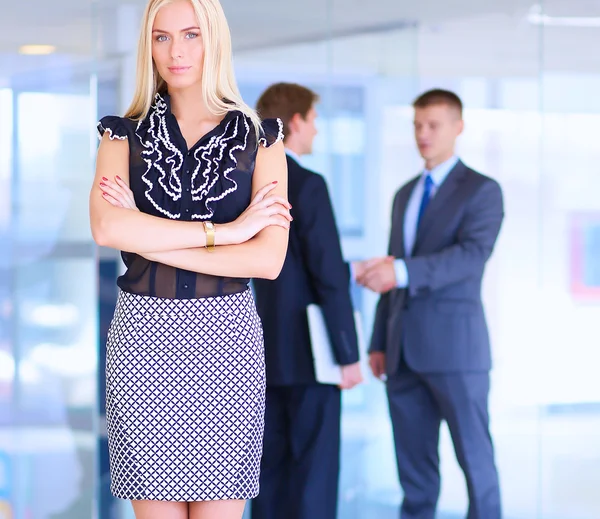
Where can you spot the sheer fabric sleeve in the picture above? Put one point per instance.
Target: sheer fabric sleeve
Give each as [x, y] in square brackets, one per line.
[115, 126]
[272, 132]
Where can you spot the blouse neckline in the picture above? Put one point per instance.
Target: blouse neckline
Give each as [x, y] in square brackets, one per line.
[166, 99]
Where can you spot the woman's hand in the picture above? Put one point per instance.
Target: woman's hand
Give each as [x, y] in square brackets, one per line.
[117, 193]
[262, 212]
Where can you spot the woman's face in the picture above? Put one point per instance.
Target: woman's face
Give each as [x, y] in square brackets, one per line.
[177, 47]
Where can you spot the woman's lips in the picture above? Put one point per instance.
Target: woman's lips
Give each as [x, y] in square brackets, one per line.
[178, 70]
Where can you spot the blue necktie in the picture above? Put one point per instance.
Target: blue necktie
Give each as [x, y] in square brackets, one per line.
[426, 197]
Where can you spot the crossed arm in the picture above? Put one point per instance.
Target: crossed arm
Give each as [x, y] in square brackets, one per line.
[252, 246]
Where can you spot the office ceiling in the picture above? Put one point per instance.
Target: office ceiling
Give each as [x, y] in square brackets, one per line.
[472, 37]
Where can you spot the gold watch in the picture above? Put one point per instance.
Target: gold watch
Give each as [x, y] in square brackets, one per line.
[209, 229]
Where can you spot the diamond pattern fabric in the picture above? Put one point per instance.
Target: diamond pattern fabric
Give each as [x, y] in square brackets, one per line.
[185, 398]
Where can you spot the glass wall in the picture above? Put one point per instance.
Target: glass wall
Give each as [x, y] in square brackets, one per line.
[528, 75]
[48, 289]
[568, 298]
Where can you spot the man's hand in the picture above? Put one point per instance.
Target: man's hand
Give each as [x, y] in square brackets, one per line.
[377, 274]
[351, 376]
[360, 268]
[377, 364]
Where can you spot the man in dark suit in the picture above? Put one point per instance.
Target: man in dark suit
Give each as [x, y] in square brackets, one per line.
[430, 338]
[300, 464]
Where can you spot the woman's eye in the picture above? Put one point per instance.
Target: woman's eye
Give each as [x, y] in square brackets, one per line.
[161, 37]
[191, 35]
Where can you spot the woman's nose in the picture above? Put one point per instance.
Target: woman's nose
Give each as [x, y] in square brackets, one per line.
[176, 51]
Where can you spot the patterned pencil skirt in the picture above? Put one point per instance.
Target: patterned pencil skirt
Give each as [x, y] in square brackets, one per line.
[185, 398]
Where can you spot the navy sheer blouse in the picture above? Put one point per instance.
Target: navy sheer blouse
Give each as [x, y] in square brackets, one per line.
[210, 181]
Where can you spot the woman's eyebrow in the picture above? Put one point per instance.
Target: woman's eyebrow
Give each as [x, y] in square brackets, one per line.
[182, 30]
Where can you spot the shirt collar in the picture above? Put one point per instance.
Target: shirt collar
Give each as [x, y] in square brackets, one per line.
[293, 155]
[164, 99]
[441, 171]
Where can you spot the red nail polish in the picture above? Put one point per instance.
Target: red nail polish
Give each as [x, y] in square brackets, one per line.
[118, 177]
[105, 179]
[102, 184]
[275, 182]
[104, 194]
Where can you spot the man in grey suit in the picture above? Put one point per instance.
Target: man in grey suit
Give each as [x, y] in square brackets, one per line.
[430, 339]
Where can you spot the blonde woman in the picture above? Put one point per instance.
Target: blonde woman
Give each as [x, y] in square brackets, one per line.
[192, 187]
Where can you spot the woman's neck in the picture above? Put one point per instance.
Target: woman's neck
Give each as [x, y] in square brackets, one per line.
[188, 105]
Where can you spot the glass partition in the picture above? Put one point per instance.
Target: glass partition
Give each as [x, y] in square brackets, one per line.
[48, 289]
[527, 74]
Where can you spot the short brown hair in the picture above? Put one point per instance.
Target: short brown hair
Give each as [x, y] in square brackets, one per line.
[438, 96]
[284, 100]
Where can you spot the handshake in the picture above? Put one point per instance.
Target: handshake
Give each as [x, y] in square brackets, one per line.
[376, 274]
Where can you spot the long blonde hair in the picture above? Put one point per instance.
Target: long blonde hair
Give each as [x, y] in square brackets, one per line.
[219, 87]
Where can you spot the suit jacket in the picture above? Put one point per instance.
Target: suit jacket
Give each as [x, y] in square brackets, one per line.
[314, 271]
[438, 321]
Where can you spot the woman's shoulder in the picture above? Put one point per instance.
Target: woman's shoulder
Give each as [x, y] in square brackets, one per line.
[117, 127]
[271, 132]
[252, 131]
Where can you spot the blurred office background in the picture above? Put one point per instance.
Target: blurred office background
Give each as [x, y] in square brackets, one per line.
[529, 74]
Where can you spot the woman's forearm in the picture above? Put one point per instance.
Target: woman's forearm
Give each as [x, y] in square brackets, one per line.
[260, 257]
[134, 231]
